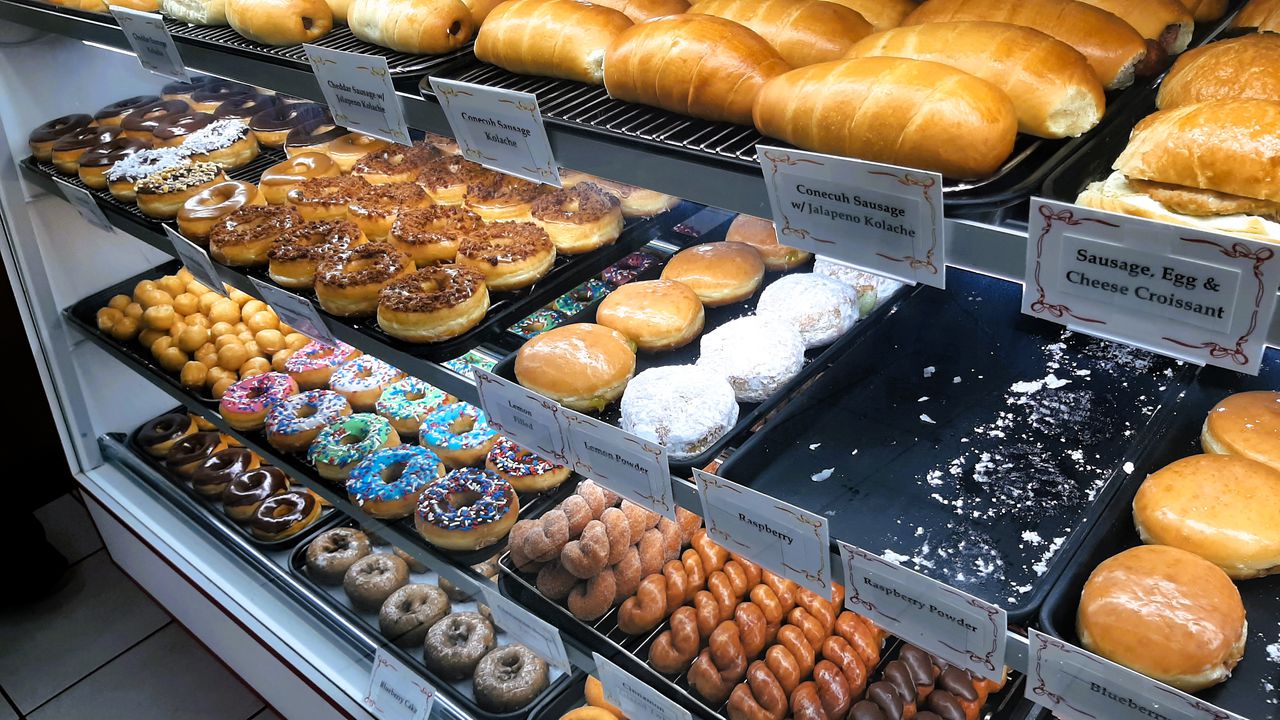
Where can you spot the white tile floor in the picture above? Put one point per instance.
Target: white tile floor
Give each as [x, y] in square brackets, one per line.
[60, 660]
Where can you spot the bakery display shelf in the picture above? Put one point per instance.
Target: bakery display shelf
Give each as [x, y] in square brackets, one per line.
[81, 315]
[459, 690]
[1251, 690]
[749, 414]
[965, 440]
[328, 516]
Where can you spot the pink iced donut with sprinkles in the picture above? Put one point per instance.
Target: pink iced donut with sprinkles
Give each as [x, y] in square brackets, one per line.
[294, 423]
[313, 364]
[362, 380]
[246, 403]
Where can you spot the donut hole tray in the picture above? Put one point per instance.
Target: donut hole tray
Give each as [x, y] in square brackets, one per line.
[1251, 691]
[328, 516]
[965, 440]
[749, 414]
[459, 690]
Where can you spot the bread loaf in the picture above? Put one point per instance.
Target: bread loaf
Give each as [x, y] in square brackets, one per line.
[280, 22]
[480, 9]
[641, 10]
[803, 32]
[413, 26]
[142, 5]
[1243, 67]
[1168, 22]
[1205, 10]
[1113, 48]
[882, 14]
[698, 65]
[1053, 89]
[339, 9]
[891, 110]
[196, 12]
[554, 38]
[1261, 14]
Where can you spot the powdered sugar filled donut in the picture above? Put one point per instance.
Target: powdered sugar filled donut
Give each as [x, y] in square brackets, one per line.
[872, 288]
[757, 355]
[684, 407]
[820, 308]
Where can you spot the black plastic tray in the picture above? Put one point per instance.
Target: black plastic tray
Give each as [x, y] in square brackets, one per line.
[1252, 690]
[82, 315]
[749, 414]
[455, 690]
[941, 458]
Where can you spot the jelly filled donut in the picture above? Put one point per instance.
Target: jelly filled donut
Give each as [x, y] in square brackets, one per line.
[313, 364]
[526, 471]
[372, 579]
[213, 475]
[820, 308]
[341, 446]
[246, 403]
[187, 453]
[509, 678]
[296, 253]
[285, 515]
[333, 552]
[294, 423]
[158, 435]
[407, 402]
[685, 408]
[457, 644]
[387, 483]
[409, 612]
[459, 433]
[249, 489]
[361, 381]
[757, 355]
[467, 509]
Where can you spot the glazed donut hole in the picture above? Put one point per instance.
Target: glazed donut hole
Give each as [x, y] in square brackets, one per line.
[146, 337]
[232, 356]
[143, 286]
[184, 275]
[155, 298]
[220, 388]
[217, 374]
[252, 307]
[199, 289]
[194, 374]
[287, 329]
[207, 300]
[255, 366]
[251, 347]
[269, 341]
[124, 329]
[196, 320]
[239, 296]
[296, 341]
[162, 343]
[262, 320]
[218, 329]
[119, 302]
[172, 359]
[221, 341]
[224, 310]
[172, 284]
[280, 358]
[108, 316]
[133, 310]
[185, 303]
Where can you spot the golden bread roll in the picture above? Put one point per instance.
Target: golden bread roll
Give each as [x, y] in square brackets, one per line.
[142, 5]
[719, 273]
[1246, 67]
[1245, 424]
[1204, 10]
[803, 32]
[1114, 49]
[698, 65]
[425, 27]
[196, 12]
[1166, 22]
[1166, 613]
[480, 9]
[552, 38]
[760, 234]
[1261, 14]
[882, 14]
[891, 110]
[1054, 91]
[582, 366]
[641, 10]
[280, 22]
[656, 314]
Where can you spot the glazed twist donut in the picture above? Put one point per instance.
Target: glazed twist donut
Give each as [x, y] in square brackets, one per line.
[658, 595]
[675, 648]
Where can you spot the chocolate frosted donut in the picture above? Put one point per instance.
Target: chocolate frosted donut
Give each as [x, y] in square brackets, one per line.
[41, 139]
[456, 644]
[117, 111]
[312, 134]
[144, 120]
[86, 138]
[333, 552]
[158, 435]
[273, 125]
[218, 91]
[172, 129]
[113, 151]
[283, 515]
[187, 453]
[245, 107]
[946, 706]
[180, 90]
[372, 579]
[213, 475]
[247, 491]
[410, 612]
[509, 678]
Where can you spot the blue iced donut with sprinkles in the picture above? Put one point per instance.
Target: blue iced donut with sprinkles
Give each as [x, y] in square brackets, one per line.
[387, 483]
[408, 402]
[294, 423]
[459, 433]
[467, 509]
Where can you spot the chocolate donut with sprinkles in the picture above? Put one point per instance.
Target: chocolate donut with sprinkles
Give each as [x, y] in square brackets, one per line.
[467, 509]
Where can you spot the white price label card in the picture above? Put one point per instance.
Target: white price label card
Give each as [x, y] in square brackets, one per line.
[951, 624]
[792, 542]
[151, 42]
[500, 129]
[87, 206]
[883, 219]
[360, 93]
[634, 698]
[527, 418]
[533, 632]
[295, 311]
[196, 260]
[396, 692]
[1199, 296]
[627, 464]
[1077, 685]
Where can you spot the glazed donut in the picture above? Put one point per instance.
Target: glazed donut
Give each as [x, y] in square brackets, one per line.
[341, 446]
[226, 142]
[293, 423]
[657, 315]
[210, 95]
[42, 139]
[313, 364]
[376, 208]
[410, 612]
[272, 126]
[761, 235]
[125, 172]
[395, 163]
[348, 282]
[245, 106]
[526, 471]
[312, 136]
[333, 552]
[387, 483]
[186, 454]
[204, 210]
[455, 645]
[213, 475]
[820, 308]
[296, 252]
[93, 164]
[447, 178]
[467, 509]
[143, 121]
[720, 665]
[407, 402]
[172, 130]
[756, 354]
[326, 198]
[67, 149]
[459, 433]
[502, 197]
[433, 304]
[361, 381]
[371, 580]
[246, 403]
[636, 201]
[244, 237]
[282, 516]
[116, 112]
[509, 678]
[578, 219]
[159, 434]
[247, 490]
[286, 175]
[720, 273]
[628, 268]
[347, 149]
[162, 194]
[510, 255]
[432, 234]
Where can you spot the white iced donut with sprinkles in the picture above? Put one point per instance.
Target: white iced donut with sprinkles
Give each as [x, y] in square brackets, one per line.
[313, 364]
[820, 308]
[685, 408]
[362, 380]
[757, 355]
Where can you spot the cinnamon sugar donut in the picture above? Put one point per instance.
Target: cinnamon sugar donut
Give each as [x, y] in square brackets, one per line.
[326, 198]
[295, 253]
[284, 176]
[447, 178]
[593, 598]
[348, 281]
[589, 554]
[502, 197]
[246, 235]
[376, 208]
[433, 304]
[395, 164]
[578, 219]
[555, 582]
[433, 234]
[627, 574]
[511, 255]
[618, 530]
